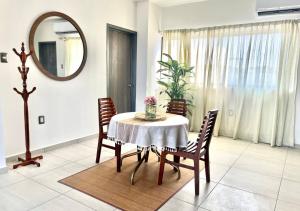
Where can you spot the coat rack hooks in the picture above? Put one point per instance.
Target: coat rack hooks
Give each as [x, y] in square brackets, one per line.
[25, 95]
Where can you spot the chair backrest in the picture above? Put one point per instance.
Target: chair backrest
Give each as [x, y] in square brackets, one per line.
[206, 131]
[106, 110]
[177, 106]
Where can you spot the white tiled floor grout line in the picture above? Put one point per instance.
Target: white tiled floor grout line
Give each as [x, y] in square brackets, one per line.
[76, 199]
[13, 183]
[230, 167]
[286, 154]
[44, 202]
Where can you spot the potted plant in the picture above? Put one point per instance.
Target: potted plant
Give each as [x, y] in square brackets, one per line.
[173, 79]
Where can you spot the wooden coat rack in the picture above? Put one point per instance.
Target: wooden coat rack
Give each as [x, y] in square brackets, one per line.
[25, 95]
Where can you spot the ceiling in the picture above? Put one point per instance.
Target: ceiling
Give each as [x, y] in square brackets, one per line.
[169, 3]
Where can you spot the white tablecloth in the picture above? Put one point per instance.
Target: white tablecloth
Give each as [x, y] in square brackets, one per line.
[166, 134]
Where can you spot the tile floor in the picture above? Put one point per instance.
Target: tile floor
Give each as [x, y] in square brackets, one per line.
[245, 176]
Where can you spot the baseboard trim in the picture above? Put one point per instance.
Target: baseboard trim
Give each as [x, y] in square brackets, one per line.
[13, 158]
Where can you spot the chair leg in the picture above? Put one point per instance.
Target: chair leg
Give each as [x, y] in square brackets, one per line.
[139, 154]
[100, 139]
[118, 153]
[161, 168]
[147, 156]
[176, 159]
[207, 168]
[196, 175]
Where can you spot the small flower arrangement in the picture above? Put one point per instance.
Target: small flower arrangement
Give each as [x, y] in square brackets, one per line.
[150, 100]
[150, 111]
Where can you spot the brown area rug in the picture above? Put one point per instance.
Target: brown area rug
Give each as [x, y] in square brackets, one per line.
[104, 183]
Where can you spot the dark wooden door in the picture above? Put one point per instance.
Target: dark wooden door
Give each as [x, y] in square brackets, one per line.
[47, 56]
[121, 69]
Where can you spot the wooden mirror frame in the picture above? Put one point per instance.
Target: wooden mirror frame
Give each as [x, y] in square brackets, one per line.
[36, 60]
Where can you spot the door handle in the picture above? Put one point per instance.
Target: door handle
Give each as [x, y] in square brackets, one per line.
[129, 85]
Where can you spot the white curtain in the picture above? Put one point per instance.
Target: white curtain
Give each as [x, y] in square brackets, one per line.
[73, 54]
[248, 72]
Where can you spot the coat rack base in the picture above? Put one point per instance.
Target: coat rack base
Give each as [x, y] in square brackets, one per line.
[30, 161]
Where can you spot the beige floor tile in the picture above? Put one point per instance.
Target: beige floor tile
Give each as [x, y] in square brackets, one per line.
[30, 192]
[277, 157]
[90, 161]
[217, 171]
[286, 206]
[223, 157]
[292, 172]
[193, 136]
[93, 143]
[229, 145]
[11, 202]
[51, 178]
[48, 163]
[252, 182]
[176, 204]
[293, 157]
[289, 191]
[89, 201]
[62, 203]
[260, 165]
[187, 193]
[10, 177]
[73, 168]
[267, 152]
[225, 198]
[74, 152]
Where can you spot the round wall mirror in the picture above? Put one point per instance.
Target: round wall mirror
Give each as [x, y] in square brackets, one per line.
[58, 46]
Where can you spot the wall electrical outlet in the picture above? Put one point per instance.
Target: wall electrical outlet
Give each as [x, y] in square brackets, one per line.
[41, 120]
[3, 57]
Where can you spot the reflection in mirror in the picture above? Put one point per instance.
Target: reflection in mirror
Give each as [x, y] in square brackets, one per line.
[58, 46]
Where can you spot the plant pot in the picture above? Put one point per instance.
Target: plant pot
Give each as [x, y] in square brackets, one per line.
[150, 112]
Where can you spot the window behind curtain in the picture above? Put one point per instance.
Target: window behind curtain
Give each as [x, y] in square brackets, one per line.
[242, 54]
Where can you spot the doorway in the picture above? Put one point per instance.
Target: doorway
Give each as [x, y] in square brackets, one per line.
[121, 67]
[47, 56]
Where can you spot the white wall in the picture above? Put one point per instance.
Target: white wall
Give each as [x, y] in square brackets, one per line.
[214, 13]
[142, 43]
[219, 12]
[154, 47]
[2, 157]
[70, 107]
[149, 47]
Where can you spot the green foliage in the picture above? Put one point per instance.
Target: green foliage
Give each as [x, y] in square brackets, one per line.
[174, 79]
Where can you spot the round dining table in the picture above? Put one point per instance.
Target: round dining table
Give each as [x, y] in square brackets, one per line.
[169, 132]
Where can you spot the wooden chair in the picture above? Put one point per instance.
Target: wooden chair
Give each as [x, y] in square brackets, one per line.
[198, 150]
[177, 106]
[106, 111]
